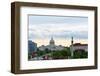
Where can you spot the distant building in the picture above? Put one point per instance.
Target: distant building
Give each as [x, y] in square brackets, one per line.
[77, 47]
[51, 46]
[32, 47]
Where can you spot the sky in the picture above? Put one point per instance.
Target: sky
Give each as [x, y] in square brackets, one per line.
[41, 28]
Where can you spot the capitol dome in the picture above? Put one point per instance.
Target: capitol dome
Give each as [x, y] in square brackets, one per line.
[52, 42]
[51, 46]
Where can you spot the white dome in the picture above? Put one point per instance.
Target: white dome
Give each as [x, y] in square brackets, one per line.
[52, 42]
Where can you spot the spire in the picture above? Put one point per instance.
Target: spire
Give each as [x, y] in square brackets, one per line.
[72, 41]
[72, 46]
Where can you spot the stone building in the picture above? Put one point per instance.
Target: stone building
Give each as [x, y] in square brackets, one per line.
[51, 46]
[77, 47]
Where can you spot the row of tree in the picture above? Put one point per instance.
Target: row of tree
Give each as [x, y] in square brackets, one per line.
[64, 54]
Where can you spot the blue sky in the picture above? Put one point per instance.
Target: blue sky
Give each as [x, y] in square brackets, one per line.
[60, 27]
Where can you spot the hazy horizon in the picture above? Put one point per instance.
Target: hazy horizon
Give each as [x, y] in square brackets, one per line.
[59, 42]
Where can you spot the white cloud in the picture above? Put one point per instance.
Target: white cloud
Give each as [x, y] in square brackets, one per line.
[46, 30]
[58, 27]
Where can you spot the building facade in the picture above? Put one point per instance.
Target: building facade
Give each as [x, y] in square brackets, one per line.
[79, 46]
[32, 47]
[51, 46]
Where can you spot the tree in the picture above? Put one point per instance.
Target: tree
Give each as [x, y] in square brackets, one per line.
[47, 50]
[56, 55]
[80, 53]
[40, 53]
[62, 54]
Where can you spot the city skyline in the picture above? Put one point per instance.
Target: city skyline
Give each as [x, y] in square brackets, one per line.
[64, 42]
[42, 28]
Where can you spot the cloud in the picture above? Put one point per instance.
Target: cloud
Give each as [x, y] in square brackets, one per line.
[42, 27]
[58, 31]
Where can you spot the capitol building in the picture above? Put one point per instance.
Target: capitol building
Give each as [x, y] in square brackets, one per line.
[51, 46]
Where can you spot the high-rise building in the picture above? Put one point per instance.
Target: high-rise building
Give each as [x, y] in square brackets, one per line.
[32, 46]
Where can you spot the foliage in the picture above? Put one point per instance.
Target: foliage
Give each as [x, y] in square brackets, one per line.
[62, 54]
[40, 53]
[80, 54]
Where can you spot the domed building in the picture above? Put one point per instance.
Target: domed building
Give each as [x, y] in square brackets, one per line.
[52, 42]
[51, 46]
